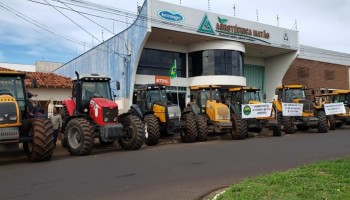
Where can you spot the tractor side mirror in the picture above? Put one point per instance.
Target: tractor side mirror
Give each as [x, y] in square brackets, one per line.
[118, 85]
[312, 91]
[277, 92]
[34, 83]
[264, 96]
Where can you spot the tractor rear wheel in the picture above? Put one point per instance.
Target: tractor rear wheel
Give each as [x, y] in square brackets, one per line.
[79, 136]
[277, 131]
[288, 125]
[152, 130]
[202, 128]
[189, 134]
[134, 133]
[322, 122]
[41, 149]
[239, 127]
[331, 122]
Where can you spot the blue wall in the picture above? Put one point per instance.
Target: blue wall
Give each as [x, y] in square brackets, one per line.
[116, 58]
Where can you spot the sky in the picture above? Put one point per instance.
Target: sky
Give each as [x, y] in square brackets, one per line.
[61, 35]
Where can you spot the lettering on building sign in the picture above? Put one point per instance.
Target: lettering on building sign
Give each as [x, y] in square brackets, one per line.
[241, 30]
[162, 80]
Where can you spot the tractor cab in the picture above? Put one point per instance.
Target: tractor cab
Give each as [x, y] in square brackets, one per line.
[88, 87]
[342, 96]
[243, 95]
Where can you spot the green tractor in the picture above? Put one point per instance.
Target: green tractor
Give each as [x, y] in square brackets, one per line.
[344, 97]
[161, 115]
[249, 95]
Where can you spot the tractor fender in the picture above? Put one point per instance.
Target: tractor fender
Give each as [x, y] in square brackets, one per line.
[135, 109]
[277, 104]
[193, 107]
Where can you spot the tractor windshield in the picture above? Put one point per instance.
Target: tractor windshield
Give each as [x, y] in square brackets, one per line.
[205, 95]
[297, 93]
[96, 90]
[251, 95]
[342, 98]
[13, 86]
[153, 96]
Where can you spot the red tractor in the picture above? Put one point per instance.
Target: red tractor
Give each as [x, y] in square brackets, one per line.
[92, 113]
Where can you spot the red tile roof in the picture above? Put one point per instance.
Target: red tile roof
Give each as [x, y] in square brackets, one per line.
[46, 80]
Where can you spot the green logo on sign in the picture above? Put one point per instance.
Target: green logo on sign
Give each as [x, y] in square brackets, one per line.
[247, 110]
[205, 26]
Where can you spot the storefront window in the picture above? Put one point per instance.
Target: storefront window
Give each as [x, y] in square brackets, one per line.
[157, 62]
[215, 62]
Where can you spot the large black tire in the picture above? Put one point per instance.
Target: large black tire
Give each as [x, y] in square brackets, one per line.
[41, 149]
[189, 134]
[152, 130]
[331, 122]
[202, 128]
[79, 136]
[322, 121]
[134, 133]
[239, 127]
[64, 115]
[277, 130]
[288, 125]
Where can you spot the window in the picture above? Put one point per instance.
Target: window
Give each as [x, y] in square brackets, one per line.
[158, 62]
[328, 74]
[303, 72]
[216, 62]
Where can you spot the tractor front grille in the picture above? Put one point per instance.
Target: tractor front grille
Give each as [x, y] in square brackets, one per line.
[223, 112]
[11, 133]
[111, 114]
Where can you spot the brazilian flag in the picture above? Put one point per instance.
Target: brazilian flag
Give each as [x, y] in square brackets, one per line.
[172, 70]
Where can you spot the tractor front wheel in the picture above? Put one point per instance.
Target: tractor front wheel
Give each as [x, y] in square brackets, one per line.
[277, 131]
[79, 136]
[202, 128]
[152, 130]
[331, 122]
[288, 125]
[239, 127]
[41, 149]
[322, 122]
[134, 133]
[190, 133]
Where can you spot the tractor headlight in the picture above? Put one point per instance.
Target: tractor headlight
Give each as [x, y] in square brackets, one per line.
[219, 118]
[115, 119]
[13, 118]
[1, 119]
[105, 119]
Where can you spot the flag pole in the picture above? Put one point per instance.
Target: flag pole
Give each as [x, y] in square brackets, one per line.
[177, 90]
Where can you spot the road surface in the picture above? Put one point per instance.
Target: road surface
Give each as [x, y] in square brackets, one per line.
[175, 171]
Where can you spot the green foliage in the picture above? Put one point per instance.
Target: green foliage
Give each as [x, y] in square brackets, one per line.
[323, 180]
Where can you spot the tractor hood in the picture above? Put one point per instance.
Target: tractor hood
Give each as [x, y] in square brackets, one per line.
[105, 103]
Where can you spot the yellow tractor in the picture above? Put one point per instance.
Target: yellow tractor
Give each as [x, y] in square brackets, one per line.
[250, 95]
[313, 116]
[161, 115]
[211, 114]
[342, 96]
[19, 121]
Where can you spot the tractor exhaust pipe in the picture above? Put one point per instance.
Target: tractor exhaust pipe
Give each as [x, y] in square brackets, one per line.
[77, 93]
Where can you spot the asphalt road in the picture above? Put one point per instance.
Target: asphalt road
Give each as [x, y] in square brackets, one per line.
[175, 171]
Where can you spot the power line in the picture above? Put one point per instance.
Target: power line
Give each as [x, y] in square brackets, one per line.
[83, 28]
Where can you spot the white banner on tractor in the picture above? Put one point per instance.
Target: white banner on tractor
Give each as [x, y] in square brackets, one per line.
[292, 109]
[256, 110]
[334, 108]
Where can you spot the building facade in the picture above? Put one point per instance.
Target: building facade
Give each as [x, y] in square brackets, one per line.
[208, 48]
[318, 68]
